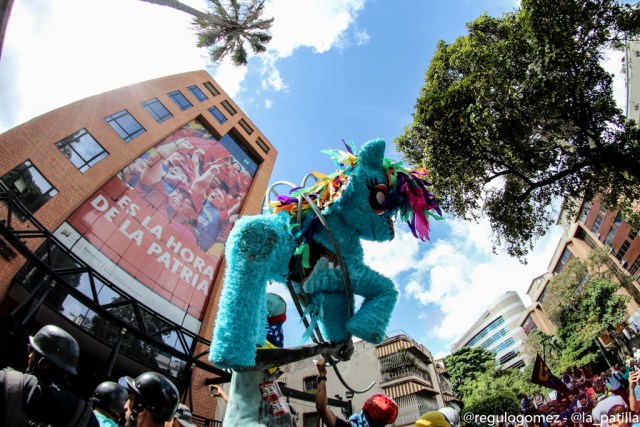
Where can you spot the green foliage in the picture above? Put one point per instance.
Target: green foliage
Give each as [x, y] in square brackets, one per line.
[241, 24]
[520, 112]
[582, 301]
[466, 364]
[494, 402]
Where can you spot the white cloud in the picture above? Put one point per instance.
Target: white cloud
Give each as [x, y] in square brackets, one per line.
[268, 103]
[461, 276]
[317, 24]
[58, 52]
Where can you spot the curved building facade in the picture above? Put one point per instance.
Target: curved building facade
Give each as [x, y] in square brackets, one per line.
[498, 330]
[115, 213]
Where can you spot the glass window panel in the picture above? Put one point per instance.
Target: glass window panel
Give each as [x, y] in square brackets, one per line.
[217, 114]
[82, 150]
[158, 111]
[195, 90]
[181, 101]
[125, 125]
[32, 189]
[211, 88]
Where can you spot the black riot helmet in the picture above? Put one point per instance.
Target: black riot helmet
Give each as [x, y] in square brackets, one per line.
[154, 392]
[111, 397]
[58, 347]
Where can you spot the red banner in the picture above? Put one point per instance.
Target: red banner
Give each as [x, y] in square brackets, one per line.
[165, 217]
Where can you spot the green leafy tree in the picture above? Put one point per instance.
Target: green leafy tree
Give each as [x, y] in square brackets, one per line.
[466, 364]
[583, 302]
[227, 28]
[520, 112]
[545, 345]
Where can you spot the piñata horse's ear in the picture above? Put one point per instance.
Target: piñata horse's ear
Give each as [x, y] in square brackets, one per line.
[372, 154]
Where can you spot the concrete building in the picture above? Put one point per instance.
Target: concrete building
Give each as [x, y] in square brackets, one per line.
[498, 330]
[115, 211]
[399, 367]
[591, 227]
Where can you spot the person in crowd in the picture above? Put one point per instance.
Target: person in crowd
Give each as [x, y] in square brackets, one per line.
[538, 399]
[564, 413]
[602, 408]
[153, 400]
[42, 395]
[378, 410]
[433, 419]
[567, 380]
[616, 383]
[579, 376]
[619, 416]
[634, 391]
[181, 418]
[585, 409]
[452, 415]
[108, 401]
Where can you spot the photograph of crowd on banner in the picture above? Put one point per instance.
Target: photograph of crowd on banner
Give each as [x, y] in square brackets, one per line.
[165, 217]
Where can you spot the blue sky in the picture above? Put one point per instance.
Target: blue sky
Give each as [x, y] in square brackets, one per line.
[349, 69]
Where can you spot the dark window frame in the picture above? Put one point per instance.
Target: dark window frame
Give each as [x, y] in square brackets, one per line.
[178, 97]
[198, 93]
[310, 383]
[79, 137]
[221, 118]
[153, 105]
[20, 172]
[227, 106]
[211, 88]
[244, 125]
[118, 125]
[263, 145]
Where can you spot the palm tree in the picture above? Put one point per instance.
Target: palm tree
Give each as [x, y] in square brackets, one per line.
[225, 30]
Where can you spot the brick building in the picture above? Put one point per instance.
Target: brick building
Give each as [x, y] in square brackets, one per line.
[115, 210]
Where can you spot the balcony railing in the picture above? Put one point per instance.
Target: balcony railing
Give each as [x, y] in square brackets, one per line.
[406, 372]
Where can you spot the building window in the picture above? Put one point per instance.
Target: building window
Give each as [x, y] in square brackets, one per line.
[610, 236]
[30, 186]
[200, 96]
[248, 129]
[228, 107]
[623, 250]
[125, 125]
[566, 256]
[157, 110]
[211, 88]
[217, 114]
[310, 384]
[262, 145]
[529, 324]
[631, 235]
[618, 219]
[542, 295]
[238, 150]
[490, 327]
[584, 212]
[180, 100]
[635, 266]
[82, 149]
[597, 224]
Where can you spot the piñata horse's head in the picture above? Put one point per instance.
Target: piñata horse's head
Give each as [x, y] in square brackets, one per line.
[367, 193]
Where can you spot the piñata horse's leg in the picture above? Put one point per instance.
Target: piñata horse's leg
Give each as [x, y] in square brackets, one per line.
[326, 285]
[380, 295]
[258, 248]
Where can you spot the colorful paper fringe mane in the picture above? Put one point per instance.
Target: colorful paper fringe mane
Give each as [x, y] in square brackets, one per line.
[408, 195]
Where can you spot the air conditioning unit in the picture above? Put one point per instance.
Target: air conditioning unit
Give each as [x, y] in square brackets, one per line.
[623, 262]
[598, 235]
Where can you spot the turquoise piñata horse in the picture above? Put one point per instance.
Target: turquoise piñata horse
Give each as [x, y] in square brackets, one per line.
[359, 201]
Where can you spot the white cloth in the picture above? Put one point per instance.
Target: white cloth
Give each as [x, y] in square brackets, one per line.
[602, 408]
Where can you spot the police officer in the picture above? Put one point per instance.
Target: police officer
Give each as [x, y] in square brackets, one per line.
[42, 396]
[153, 399]
[108, 400]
